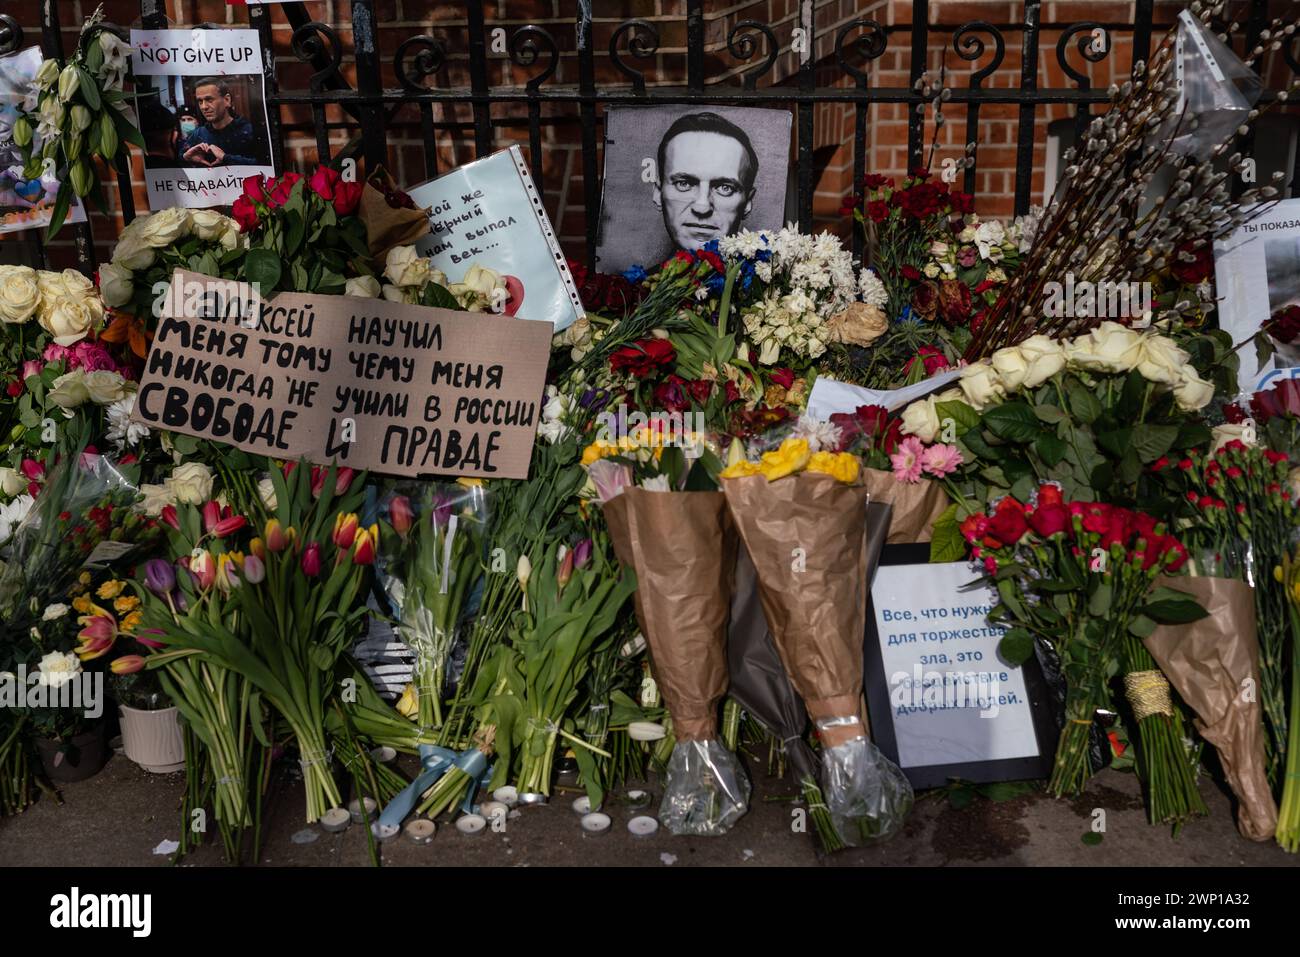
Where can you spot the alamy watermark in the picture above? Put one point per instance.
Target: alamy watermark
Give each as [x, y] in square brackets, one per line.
[932, 691]
[682, 429]
[1097, 300]
[83, 691]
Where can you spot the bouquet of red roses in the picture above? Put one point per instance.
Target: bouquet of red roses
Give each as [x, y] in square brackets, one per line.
[1081, 578]
[304, 234]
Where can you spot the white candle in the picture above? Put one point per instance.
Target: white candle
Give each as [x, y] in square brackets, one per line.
[507, 795]
[595, 823]
[642, 826]
[583, 806]
[421, 831]
[335, 819]
[357, 816]
[470, 824]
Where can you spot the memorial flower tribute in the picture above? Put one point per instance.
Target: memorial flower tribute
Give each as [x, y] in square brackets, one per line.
[689, 502]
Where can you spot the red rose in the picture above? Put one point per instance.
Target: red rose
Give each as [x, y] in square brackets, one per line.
[1008, 524]
[244, 213]
[324, 180]
[14, 389]
[643, 357]
[1049, 520]
[255, 187]
[347, 197]
[783, 377]
[925, 300]
[1049, 494]
[282, 188]
[931, 357]
[876, 181]
[954, 302]
[974, 528]
[1234, 414]
[1284, 325]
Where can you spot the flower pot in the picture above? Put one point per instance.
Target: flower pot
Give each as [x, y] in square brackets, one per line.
[82, 757]
[153, 738]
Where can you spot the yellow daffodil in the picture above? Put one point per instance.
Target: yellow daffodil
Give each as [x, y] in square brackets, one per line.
[131, 622]
[126, 604]
[85, 606]
[110, 589]
[840, 465]
[792, 456]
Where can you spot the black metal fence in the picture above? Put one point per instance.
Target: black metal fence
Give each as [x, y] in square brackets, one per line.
[371, 107]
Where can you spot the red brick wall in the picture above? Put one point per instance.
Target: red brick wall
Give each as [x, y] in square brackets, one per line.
[562, 165]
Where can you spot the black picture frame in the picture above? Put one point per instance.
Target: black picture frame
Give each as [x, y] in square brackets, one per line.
[881, 716]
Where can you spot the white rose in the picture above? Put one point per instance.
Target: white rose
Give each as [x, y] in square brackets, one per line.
[12, 481]
[191, 483]
[115, 284]
[921, 419]
[981, 385]
[208, 223]
[482, 280]
[69, 390]
[1162, 360]
[166, 227]
[105, 387]
[362, 287]
[266, 492]
[1221, 435]
[1045, 357]
[931, 270]
[154, 498]
[57, 668]
[1011, 367]
[133, 253]
[20, 294]
[406, 267]
[231, 235]
[68, 320]
[51, 285]
[76, 285]
[1192, 392]
[1110, 347]
[768, 352]
[54, 612]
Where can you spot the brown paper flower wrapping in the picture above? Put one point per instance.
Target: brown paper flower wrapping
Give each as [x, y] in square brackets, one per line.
[916, 506]
[807, 537]
[387, 227]
[682, 546]
[1208, 662]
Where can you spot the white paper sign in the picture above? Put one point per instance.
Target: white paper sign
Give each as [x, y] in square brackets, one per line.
[829, 396]
[489, 213]
[1257, 272]
[952, 699]
[202, 114]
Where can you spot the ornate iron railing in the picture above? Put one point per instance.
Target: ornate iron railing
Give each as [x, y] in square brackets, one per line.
[372, 108]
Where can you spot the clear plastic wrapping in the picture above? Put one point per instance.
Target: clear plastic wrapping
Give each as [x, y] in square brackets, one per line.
[707, 790]
[867, 794]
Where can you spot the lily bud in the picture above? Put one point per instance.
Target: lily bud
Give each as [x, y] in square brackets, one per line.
[22, 131]
[523, 570]
[81, 118]
[565, 571]
[108, 139]
[69, 82]
[82, 178]
[47, 74]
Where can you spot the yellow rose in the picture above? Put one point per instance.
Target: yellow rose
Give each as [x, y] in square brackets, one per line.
[20, 294]
[596, 451]
[131, 622]
[840, 465]
[740, 469]
[792, 456]
[126, 604]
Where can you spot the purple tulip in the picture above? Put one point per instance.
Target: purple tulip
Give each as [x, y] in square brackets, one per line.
[159, 576]
[582, 553]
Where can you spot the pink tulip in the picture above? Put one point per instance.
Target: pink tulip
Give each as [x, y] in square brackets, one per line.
[168, 517]
[254, 570]
[400, 515]
[127, 665]
[343, 480]
[211, 515]
[311, 560]
[228, 526]
[32, 469]
[32, 367]
[204, 569]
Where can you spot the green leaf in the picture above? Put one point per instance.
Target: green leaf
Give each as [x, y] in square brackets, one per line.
[1013, 421]
[1130, 467]
[1099, 601]
[1152, 441]
[1016, 646]
[1116, 441]
[438, 296]
[88, 89]
[961, 795]
[959, 412]
[1083, 404]
[1023, 487]
[126, 130]
[1174, 611]
[1141, 626]
[1051, 414]
[262, 266]
[1191, 435]
[1263, 349]
[62, 203]
[946, 543]
[974, 441]
[294, 234]
[1006, 790]
[1050, 449]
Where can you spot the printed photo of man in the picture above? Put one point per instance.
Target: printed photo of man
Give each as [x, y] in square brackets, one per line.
[705, 179]
[225, 138]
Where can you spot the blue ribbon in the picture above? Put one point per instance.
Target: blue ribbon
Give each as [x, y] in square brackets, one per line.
[437, 762]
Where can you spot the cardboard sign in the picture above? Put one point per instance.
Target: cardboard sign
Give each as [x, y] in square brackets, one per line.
[942, 702]
[367, 383]
[490, 213]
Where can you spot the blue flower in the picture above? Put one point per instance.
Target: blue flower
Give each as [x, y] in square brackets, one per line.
[712, 246]
[906, 316]
[634, 274]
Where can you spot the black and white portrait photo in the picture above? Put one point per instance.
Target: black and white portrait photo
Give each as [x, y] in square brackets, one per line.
[677, 177]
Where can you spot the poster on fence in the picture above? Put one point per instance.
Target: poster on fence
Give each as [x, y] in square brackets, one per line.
[942, 701]
[366, 383]
[1257, 277]
[26, 202]
[678, 177]
[201, 98]
[490, 213]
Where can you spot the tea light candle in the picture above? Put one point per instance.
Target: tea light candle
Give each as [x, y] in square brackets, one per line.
[384, 832]
[336, 819]
[595, 823]
[638, 798]
[420, 831]
[643, 826]
[492, 810]
[384, 754]
[532, 798]
[470, 824]
[583, 806]
[357, 816]
[507, 795]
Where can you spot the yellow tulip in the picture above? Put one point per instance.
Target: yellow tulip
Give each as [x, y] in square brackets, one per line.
[408, 706]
